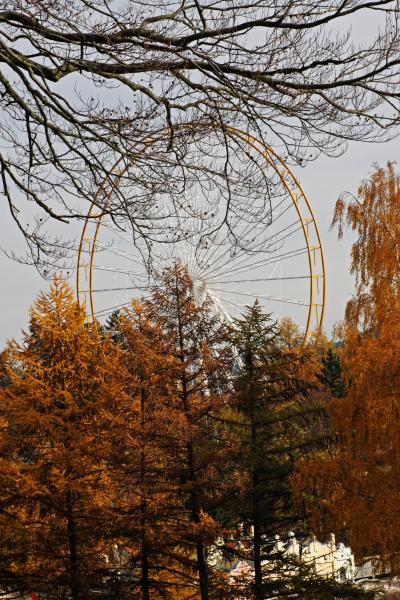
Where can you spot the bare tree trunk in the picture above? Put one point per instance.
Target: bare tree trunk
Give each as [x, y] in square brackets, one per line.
[194, 504]
[200, 550]
[144, 580]
[256, 524]
[203, 571]
[255, 491]
[73, 550]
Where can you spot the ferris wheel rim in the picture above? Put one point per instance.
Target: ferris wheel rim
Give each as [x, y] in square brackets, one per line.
[288, 180]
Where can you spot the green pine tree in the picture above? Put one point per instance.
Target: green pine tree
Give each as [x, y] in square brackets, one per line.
[272, 387]
[331, 374]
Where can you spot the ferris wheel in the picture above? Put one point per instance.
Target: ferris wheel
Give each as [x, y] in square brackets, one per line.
[268, 249]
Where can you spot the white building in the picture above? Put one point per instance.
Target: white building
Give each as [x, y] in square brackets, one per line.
[327, 558]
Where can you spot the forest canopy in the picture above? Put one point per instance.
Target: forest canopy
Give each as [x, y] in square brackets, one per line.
[151, 457]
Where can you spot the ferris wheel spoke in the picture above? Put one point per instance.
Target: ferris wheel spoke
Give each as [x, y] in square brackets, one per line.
[271, 218]
[290, 205]
[287, 228]
[212, 250]
[264, 241]
[287, 235]
[255, 279]
[277, 241]
[219, 257]
[115, 231]
[232, 303]
[111, 309]
[226, 242]
[250, 227]
[117, 289]
[120, 271]
[259, 263]
[287, 198]
[263, 297]
[120, 254]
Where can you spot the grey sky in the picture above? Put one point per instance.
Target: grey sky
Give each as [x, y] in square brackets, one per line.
[323, 181]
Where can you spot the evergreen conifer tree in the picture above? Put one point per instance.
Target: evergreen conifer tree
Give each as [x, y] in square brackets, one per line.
[331, 373]
[272, 387]
[269, 392]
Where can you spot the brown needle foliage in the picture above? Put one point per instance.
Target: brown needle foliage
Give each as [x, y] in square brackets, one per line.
[354, 484]
[146, 454]
[55, 487]
[196, 339]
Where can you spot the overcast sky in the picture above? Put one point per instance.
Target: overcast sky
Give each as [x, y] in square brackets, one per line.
[323, 181]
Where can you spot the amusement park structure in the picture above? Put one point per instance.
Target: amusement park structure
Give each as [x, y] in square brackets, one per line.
[279, 261]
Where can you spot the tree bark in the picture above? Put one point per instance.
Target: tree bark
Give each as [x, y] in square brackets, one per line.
[144, 580]
[255, 491]
[256, 523]
[73, 550]
[194, 504]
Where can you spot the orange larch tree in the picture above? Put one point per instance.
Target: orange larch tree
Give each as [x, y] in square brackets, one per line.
[146, 452]
[353, 485]
[56, 493]
[197, 342]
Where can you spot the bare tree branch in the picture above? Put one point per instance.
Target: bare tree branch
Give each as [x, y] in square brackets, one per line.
[86, 84]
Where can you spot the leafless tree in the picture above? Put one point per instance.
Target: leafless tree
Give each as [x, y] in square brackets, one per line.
[154, 87]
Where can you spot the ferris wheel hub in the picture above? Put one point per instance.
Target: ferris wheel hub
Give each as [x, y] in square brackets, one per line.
[200, 288]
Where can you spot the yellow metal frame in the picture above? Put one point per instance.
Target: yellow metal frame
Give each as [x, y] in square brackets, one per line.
[316, 260]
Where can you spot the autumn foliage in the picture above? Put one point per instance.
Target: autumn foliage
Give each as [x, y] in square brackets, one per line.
[178, 379]
[56, 417]
[131, 453]
[353, 484]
